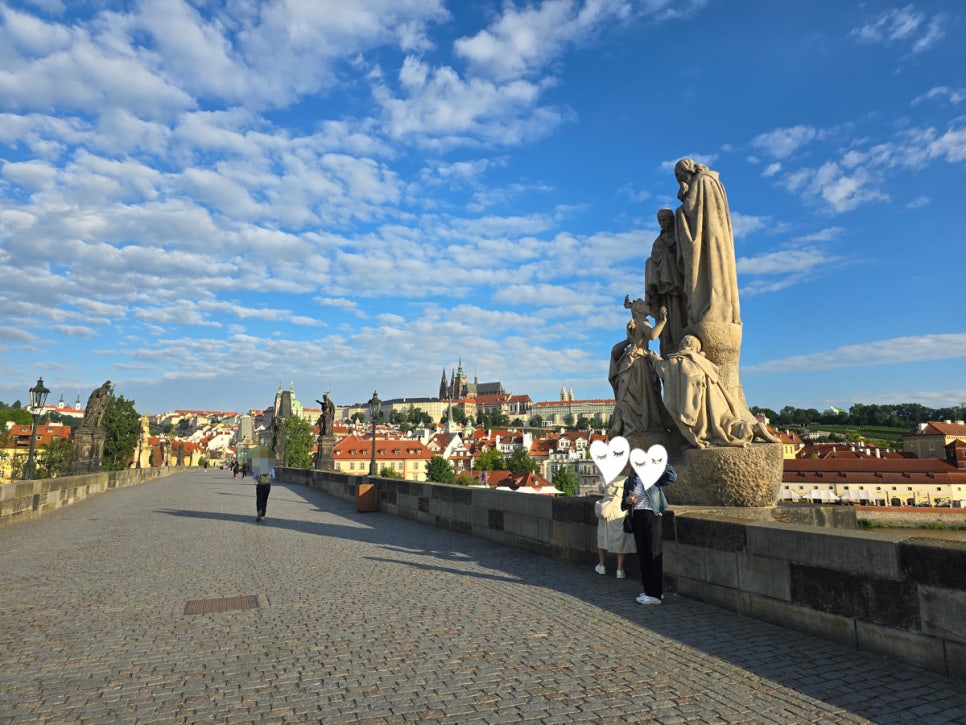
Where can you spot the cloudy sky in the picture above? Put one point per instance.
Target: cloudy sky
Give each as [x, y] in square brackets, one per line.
[201, 199]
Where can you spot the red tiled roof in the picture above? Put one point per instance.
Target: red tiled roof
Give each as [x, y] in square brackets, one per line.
[933, 428]
[357, 448]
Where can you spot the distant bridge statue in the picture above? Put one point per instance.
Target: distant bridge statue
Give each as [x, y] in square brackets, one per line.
[90, 435]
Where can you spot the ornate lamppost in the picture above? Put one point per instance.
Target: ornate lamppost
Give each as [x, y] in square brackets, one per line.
[373, 412]
[38, 396]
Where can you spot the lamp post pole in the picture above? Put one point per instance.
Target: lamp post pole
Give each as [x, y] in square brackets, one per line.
[38, 396]
[373, 412]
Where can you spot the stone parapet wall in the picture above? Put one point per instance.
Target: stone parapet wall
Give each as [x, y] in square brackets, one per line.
[885, 592]
[22, 500]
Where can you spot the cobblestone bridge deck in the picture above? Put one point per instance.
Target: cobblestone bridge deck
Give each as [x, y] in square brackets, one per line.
[167, 603]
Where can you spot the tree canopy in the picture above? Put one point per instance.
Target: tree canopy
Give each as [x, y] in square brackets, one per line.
[491, 460]
[298, 442]
[122, 426]
[892, 415]
[567, 481]
[440, 470]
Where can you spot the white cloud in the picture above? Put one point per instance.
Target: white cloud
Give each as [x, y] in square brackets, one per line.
[906, 26]
[783, 142]
[523, 40]
[743, 225]
[836, 188]
[954, 95]
[913, 349]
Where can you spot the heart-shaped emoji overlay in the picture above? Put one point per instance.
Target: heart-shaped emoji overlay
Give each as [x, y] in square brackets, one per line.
[649, 464]
[610, 457]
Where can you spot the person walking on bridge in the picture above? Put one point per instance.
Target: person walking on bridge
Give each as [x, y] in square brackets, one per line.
[263, 486]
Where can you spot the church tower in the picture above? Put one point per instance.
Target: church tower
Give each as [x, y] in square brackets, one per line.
[460, 383]
[443, 387]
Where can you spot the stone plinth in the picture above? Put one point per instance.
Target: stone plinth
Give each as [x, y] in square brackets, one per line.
[324, 460]
[749, 476]
[88, 450]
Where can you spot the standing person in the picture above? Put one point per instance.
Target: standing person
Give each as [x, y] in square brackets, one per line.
[263, 486]
[646, 506]
[610, 529]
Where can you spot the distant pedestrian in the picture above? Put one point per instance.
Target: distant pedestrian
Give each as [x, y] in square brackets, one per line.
[646, 506]
[263, 486]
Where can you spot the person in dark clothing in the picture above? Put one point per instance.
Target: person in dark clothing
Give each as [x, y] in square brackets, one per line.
[263, 486]
[646, 505]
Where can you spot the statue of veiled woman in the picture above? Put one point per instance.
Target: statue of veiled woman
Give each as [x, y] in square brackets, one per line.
[705, 246]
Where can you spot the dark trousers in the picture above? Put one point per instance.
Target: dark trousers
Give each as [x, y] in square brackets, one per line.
[649, 539]
[261, 497]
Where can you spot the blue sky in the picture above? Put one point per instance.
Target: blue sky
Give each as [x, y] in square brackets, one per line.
[201, 199]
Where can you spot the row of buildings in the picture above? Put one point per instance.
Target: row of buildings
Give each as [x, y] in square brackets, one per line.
[930, 469]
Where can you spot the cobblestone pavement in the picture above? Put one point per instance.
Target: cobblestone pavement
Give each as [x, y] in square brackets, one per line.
[371, 618]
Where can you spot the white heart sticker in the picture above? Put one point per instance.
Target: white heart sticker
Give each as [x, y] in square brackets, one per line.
[649, 464]
[610, 457]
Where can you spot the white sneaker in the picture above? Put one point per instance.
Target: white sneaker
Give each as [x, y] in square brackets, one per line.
[600, 569]
[621, 574]
[644, 599]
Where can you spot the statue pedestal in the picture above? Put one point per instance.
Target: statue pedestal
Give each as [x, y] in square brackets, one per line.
[324, 460]
[720, 476]
[750, 476]
[88, 450]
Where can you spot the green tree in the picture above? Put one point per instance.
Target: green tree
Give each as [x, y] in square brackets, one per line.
[491, 460]
[298, 442]
[536, 421]
[465, 479]
[122, 425]
[499, 419]
[387, 472]
[569, 420]
[567, 481]
[54, 459]
[520, 462]
[18, 415]
[440, 470]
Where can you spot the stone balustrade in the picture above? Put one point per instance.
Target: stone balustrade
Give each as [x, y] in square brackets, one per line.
[21, 500]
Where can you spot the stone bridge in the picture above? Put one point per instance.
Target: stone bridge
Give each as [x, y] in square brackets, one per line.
[166, 603]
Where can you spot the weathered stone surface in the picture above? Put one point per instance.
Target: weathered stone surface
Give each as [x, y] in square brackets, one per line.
[879, 601]
[710, 533]
[749, 476]
[941, 612]
[835, 517]
[937, 563]
[923, 651]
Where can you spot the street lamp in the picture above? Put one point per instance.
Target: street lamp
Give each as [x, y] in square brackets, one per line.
[38, 396]
[373, 412]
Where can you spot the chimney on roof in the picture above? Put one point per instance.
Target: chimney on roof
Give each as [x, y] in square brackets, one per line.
[922, 427]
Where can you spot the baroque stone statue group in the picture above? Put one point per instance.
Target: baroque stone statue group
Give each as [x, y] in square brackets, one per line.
[688, 397]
